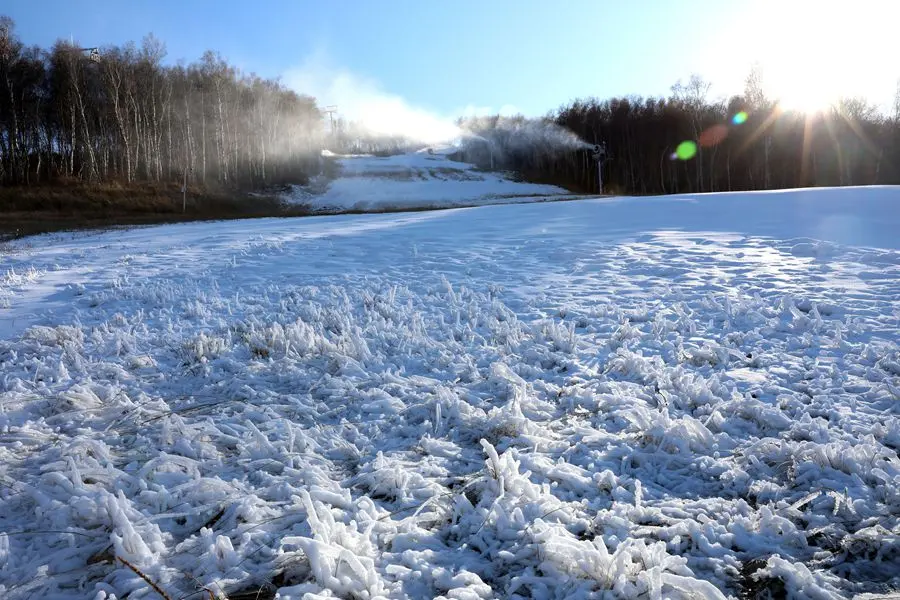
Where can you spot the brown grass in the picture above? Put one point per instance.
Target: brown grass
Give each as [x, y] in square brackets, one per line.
[68, 204]
[149, 581]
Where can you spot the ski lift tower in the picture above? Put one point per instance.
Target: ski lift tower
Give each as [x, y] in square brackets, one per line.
[598, 153]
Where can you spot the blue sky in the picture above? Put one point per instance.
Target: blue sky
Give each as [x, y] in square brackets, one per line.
[444, 56]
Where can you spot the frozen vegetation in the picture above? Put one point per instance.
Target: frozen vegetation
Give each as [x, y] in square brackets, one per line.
[682, 397]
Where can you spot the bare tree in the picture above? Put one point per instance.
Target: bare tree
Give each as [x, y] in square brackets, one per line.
[693, 96]
[130, 117]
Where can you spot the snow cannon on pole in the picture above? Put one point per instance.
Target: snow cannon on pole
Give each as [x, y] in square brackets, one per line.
[93, 54]
[598, 153]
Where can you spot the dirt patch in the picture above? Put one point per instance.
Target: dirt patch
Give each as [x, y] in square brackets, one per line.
[393, 174]
[447, 173]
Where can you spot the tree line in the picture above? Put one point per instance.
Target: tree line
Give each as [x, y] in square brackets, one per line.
[121, 114]
[743, 143]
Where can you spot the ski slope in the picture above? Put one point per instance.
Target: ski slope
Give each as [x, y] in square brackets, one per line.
[416, 180]
[680, 397]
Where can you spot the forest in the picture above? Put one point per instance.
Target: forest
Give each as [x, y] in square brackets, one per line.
[743, 143]
[123, 114]
[120, 113]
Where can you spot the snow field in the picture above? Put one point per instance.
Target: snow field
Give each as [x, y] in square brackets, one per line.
[537, 401]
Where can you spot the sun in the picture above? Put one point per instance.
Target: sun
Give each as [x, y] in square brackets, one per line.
[807, 56]
[803, 89]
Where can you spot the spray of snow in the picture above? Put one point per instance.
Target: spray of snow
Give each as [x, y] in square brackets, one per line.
[371, 111]
[363, 101]
[517, 133]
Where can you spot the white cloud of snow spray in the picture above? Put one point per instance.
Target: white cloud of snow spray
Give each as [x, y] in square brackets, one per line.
[371, 109]
[362, 101]
[517, 134]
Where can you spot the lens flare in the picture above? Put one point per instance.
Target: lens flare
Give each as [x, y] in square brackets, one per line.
[739, 118]
[686, 150]
[713, 136]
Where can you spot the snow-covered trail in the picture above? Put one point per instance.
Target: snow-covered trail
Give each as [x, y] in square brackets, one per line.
[415, 180]
[653, 397]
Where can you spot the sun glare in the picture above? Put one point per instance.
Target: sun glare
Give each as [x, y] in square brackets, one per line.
[808, 56]
[807, 92]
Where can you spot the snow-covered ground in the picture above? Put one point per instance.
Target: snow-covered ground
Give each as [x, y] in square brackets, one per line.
[417, 180]
[684, 397]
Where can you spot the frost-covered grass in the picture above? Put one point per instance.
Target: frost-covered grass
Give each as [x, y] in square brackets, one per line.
[509, 402]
